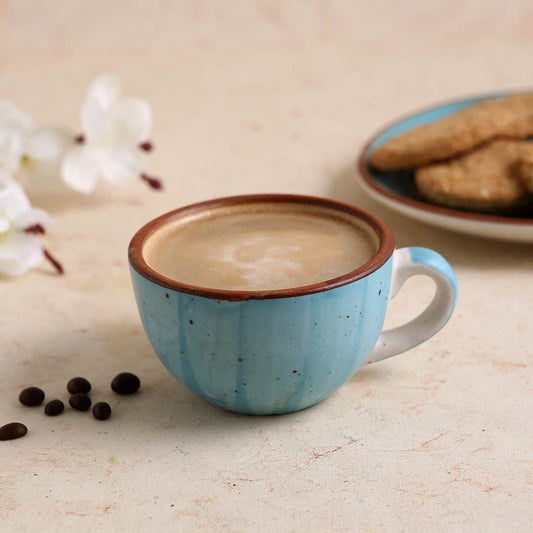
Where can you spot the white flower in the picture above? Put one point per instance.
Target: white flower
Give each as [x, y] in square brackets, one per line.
[115, 134]
[20, 249]
[19, 140]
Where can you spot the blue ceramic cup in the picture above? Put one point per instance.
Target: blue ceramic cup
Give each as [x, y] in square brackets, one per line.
[278, 351]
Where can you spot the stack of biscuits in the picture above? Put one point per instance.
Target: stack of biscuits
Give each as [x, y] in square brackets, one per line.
[477, 159]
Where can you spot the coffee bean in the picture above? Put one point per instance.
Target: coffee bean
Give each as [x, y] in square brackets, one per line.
[101, 410]
[13, 430]
[125, 383]
[78, 384]
[54, 408]
[80, 401]
[31, 396]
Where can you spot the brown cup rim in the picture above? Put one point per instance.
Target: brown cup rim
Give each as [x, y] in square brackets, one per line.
[384, 252]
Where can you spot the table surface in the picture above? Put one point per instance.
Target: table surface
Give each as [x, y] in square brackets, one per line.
[249, 97]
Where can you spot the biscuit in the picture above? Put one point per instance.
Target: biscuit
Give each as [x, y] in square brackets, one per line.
[510, 117]
[524, 166]
[485, 179]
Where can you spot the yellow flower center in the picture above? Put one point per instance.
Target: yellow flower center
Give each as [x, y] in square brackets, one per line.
[25, 162]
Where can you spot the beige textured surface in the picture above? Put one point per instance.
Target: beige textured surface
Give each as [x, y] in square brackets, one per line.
[263, 96]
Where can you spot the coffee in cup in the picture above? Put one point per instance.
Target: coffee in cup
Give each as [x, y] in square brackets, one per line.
[260, 246]
[267, 304]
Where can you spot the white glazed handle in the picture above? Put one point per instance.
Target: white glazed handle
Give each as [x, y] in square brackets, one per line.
[409, 262]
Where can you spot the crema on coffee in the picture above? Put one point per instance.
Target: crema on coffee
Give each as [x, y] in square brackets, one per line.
[260, 247]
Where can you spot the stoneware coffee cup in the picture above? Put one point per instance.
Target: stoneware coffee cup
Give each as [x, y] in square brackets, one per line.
[278, 351]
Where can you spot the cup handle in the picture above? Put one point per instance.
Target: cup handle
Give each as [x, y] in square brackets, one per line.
[409, 262]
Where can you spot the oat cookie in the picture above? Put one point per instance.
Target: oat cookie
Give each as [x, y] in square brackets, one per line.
[524, 166]
[485, 179]
[510, 117]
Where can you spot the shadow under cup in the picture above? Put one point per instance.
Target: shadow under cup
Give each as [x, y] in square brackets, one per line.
[264, 351]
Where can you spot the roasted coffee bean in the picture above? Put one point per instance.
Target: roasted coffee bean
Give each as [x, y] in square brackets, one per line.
[101, 410]
[125, 383]
[54, 408]
[13, 430]
[31, 396]
[78, 384]
[80, 401]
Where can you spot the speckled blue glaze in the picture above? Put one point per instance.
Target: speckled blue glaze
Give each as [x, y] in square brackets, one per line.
[265, 356]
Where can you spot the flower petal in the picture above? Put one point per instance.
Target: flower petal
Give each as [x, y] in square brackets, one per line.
[14, 127]
[48, 143]
[131, 121]
[105, 89]
[79, 169]
[5, 179]
[19, 252]
[11, 117]
[95, 123]
[121, 165]
[13, 199]
[5, 224]
[10, 150]
[31, 217]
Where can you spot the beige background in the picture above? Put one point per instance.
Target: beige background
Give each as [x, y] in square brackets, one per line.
[263, 96]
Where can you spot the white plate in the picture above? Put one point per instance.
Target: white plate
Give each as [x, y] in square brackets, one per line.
[396, 189]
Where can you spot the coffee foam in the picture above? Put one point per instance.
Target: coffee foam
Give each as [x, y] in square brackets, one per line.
[260, 246]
